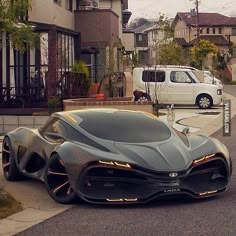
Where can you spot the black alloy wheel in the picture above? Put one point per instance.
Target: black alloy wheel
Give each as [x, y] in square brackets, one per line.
[57, 182]
[10, 169]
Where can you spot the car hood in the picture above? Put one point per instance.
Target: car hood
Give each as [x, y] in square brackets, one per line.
[165, 156]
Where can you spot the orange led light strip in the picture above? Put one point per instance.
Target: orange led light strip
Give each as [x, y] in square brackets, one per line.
[203, 159]
[115, 200]
[107, 163]
[70, 118]
[122, 200]
[206, 193]
[111, 163]
[123, 165]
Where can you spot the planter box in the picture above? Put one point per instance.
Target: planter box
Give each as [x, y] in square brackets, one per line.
[116, 102]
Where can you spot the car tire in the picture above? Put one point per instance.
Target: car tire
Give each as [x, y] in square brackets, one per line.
[143, 98]
[57, 182]
[9, 167]
[204, 101]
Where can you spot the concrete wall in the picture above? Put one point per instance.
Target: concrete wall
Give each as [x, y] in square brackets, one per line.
[117, 103]
[98, 27]
[49, 12]
[116, 6]
[9, 123]
[128, 41]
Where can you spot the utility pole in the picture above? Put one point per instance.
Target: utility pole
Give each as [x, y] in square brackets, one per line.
[197, 20]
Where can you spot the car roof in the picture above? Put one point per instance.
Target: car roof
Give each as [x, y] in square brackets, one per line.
[163, 68]
[71, 114]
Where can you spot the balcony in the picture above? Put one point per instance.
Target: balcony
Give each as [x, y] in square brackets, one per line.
[98, 27]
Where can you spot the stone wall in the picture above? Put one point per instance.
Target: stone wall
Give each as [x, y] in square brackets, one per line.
[117, 103]
[9, 123]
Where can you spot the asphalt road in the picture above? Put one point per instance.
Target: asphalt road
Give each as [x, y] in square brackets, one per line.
[214, 216]
[230, 89]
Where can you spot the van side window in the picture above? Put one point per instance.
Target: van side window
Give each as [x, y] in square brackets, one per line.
[180, 77]
[153, 76]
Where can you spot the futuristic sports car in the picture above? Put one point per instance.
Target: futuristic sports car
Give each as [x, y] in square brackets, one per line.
[116, 156]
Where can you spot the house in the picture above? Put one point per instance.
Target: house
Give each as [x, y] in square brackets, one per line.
[101, 29]
[215, 27]
[147, 39]
[141, 42]
[69, 30]
[35, 75]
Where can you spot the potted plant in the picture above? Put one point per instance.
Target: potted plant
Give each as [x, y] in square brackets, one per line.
[81, 71]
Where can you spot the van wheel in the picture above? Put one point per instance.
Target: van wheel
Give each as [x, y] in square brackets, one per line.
[143, 98]
[204, 101]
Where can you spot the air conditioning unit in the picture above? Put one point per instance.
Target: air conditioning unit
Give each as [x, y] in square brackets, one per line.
[89, 4]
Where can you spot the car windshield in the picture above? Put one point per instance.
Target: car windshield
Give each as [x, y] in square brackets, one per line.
[123, 126]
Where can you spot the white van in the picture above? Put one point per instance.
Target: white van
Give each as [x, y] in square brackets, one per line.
[172, 85]
[204, 76]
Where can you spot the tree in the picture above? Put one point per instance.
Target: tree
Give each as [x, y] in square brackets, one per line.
[13, 21]
[138, 22]
[173, 54]
[161, 35]
[200, 52]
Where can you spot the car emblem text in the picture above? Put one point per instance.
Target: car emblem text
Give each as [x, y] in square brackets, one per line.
[172, 190]
[173, 175]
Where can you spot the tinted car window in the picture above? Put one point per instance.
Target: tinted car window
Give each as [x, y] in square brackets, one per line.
[55, 126]
[153, 76]
[118, 126]
[75, 135]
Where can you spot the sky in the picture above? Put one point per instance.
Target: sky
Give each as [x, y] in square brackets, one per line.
[152, 8]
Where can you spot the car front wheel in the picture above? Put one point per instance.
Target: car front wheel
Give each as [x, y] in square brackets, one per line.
[57, 182]
[204, 101]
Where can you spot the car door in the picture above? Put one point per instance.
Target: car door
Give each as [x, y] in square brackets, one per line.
[181, 88]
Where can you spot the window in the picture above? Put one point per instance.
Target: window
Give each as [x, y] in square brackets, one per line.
[201, 31]
[207, 30]
[220, 30]
[54, 126]
[57, 2]
[180, 77]
[213, 30]
[128, 127]
[69, 5]
[153, 76]
[233, 31]
[140, 37]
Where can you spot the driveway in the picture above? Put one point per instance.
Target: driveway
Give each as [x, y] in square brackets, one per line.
[172, 217]
[211, 217]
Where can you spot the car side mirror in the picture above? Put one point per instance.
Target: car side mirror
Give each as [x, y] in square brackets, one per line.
[55, 136]
[185, 130]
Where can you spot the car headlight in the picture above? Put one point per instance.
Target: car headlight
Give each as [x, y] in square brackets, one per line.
[219, 91]
[203, 159]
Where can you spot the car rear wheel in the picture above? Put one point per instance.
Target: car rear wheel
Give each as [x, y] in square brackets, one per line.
[204, 101]
[143, 98]
[57, 182]
[10, 169]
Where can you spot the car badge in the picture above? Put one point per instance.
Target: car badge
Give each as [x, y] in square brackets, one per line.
[173, 175]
